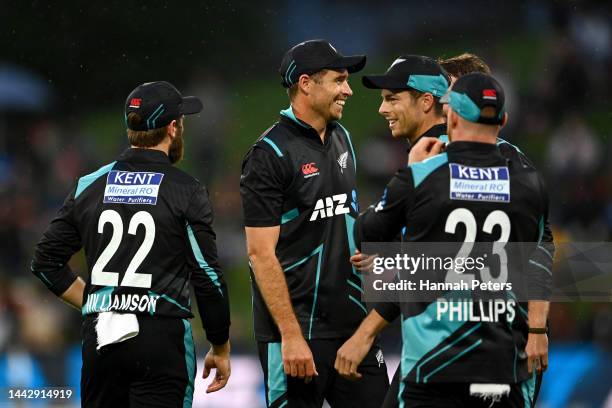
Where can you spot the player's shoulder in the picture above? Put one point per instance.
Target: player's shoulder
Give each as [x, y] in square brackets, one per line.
[274, 141]
[181, 180]
[272, 148]
[341, 129]
[513, 153]
[85, 181]
[182, 176]
[421, 171]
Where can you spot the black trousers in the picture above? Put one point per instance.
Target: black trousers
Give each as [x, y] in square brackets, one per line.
[154, 369]
[283, 391]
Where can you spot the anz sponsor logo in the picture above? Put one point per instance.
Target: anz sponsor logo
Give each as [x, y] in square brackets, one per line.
[329, 206]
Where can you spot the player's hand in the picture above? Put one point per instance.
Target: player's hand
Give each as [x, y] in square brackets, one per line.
[350, 355]
[297, 357]
[537, 352]
[426, 147]
[218, 357]
[362, 262]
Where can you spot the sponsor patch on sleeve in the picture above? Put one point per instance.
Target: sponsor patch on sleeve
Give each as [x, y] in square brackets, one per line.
[127, 187]
[479, 183]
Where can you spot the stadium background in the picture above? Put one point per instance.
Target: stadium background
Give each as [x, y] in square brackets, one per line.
[65, 70]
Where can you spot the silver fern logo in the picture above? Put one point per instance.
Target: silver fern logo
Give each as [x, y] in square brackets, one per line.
[342, 159]
[379, 357]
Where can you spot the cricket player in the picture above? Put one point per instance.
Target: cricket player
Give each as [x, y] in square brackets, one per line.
[449, 364]
[427, 145]
[300, 204]
[146, 228]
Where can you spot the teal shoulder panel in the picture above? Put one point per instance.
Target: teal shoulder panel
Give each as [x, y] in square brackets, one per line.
[421, 170]
[501, 141]
[87, 180]
[274, 146]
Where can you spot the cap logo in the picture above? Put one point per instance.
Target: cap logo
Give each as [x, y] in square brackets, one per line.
[490, 94]
[135, 103]
[397, 61]
[332, 47]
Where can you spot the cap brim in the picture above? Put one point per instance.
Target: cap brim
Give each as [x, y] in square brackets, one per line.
[382, 82]
[352, 63]
[191, 105]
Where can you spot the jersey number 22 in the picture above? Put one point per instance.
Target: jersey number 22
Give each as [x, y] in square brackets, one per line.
[139, 280]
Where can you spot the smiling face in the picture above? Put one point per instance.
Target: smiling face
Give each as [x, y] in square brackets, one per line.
[329, 93]
[401, 110]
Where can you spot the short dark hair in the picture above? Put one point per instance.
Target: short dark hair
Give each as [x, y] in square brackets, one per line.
[437, 105]
[144, 138]
[463, 64]
[292, 90]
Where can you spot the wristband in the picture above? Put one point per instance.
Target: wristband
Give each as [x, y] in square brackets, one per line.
[538, 330]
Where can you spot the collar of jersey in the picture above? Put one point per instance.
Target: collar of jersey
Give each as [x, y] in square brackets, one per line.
[304, 127]
[434, 131]
[144, 155]
[289, 114]
[472, 147]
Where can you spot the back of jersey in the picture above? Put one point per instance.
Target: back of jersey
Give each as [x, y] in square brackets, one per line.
[471, 194]
[145, 227]
[448, 204]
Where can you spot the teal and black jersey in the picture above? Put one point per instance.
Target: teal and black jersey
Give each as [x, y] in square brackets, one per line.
[146, 228]
[427, 198]
[541, 258]
[307, 187]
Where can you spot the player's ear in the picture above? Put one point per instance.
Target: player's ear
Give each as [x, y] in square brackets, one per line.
[453, 118]
[172, 128]
[427, 102]
[304, 83]
[504, 120]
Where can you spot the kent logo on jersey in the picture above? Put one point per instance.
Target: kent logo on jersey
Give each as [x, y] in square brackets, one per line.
[126, 187]
[479, 183]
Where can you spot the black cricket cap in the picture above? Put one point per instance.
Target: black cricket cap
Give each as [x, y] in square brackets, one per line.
[416, 72]
[313, 56]
[159, 103]
[473, 92]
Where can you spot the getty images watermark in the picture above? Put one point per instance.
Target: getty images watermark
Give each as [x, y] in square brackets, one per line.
[493, 272]
[406, 264]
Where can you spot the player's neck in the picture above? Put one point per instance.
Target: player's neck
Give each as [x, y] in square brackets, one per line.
[308, 116]
[463, 136]
[162, 147]
[427, 124]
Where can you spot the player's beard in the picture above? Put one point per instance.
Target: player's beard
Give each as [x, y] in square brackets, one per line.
[177, 148]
